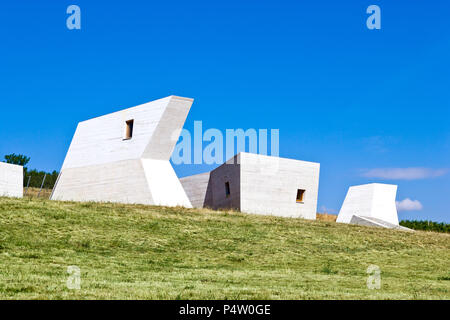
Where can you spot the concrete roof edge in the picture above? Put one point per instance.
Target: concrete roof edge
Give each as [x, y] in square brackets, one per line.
[138, 106]
[10, 164]
[375, 183]
[270, 156]
[181, 98]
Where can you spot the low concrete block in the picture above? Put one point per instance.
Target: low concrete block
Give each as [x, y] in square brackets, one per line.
[11, 180]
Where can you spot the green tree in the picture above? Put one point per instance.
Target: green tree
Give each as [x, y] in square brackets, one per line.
[18, 159]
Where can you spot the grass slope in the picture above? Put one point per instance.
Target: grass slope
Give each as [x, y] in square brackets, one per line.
[141, 252]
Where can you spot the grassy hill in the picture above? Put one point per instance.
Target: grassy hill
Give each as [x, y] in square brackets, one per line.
[142, 252]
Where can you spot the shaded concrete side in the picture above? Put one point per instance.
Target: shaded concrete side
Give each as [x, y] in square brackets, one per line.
[217, 189]
[365, 221]
[269, 186]
[196, 188]
[122, 181]
[11, 180]
[373, 222]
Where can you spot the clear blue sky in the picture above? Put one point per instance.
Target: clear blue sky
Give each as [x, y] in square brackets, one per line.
[361, 102]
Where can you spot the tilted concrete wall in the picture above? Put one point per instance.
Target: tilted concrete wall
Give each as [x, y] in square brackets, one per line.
[101, 140]
[374, 200]
[11, 180]
[373, 222]
[226, 173]
[258, 184]
[207, 190]
[101, 165]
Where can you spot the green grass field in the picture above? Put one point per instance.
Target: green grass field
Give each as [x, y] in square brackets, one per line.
[141, 252]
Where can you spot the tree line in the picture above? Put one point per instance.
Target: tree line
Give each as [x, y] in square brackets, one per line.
[426, 225]
[32, 178]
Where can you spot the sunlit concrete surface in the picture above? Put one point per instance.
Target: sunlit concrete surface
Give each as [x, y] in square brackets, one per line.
[11, 180]
[371, 205]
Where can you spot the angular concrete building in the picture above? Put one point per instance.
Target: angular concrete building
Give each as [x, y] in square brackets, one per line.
[11, 180]
[258, 184]
[370, 205]
[124, 156]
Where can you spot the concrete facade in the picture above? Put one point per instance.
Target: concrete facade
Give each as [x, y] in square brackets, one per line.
[11, 180]
[258, 184]
[370, 204]
[124, 156]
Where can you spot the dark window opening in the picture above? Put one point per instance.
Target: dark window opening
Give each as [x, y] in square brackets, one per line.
[227, 189]
[129, 129]
[300, 195]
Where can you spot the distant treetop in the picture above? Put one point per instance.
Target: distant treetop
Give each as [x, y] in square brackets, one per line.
[18, 159]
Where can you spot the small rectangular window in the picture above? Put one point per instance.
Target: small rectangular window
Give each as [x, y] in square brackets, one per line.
[300, 195]
[227, 189]
[129, 129]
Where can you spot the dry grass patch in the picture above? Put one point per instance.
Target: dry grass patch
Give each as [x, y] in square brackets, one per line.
[34, 193]
[326, 217]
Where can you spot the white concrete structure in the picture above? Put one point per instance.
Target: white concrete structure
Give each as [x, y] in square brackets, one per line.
[124, 156]
[371, 205]
[11, 180]
[258, 184]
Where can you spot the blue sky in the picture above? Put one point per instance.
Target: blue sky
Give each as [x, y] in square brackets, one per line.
[369, 105]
